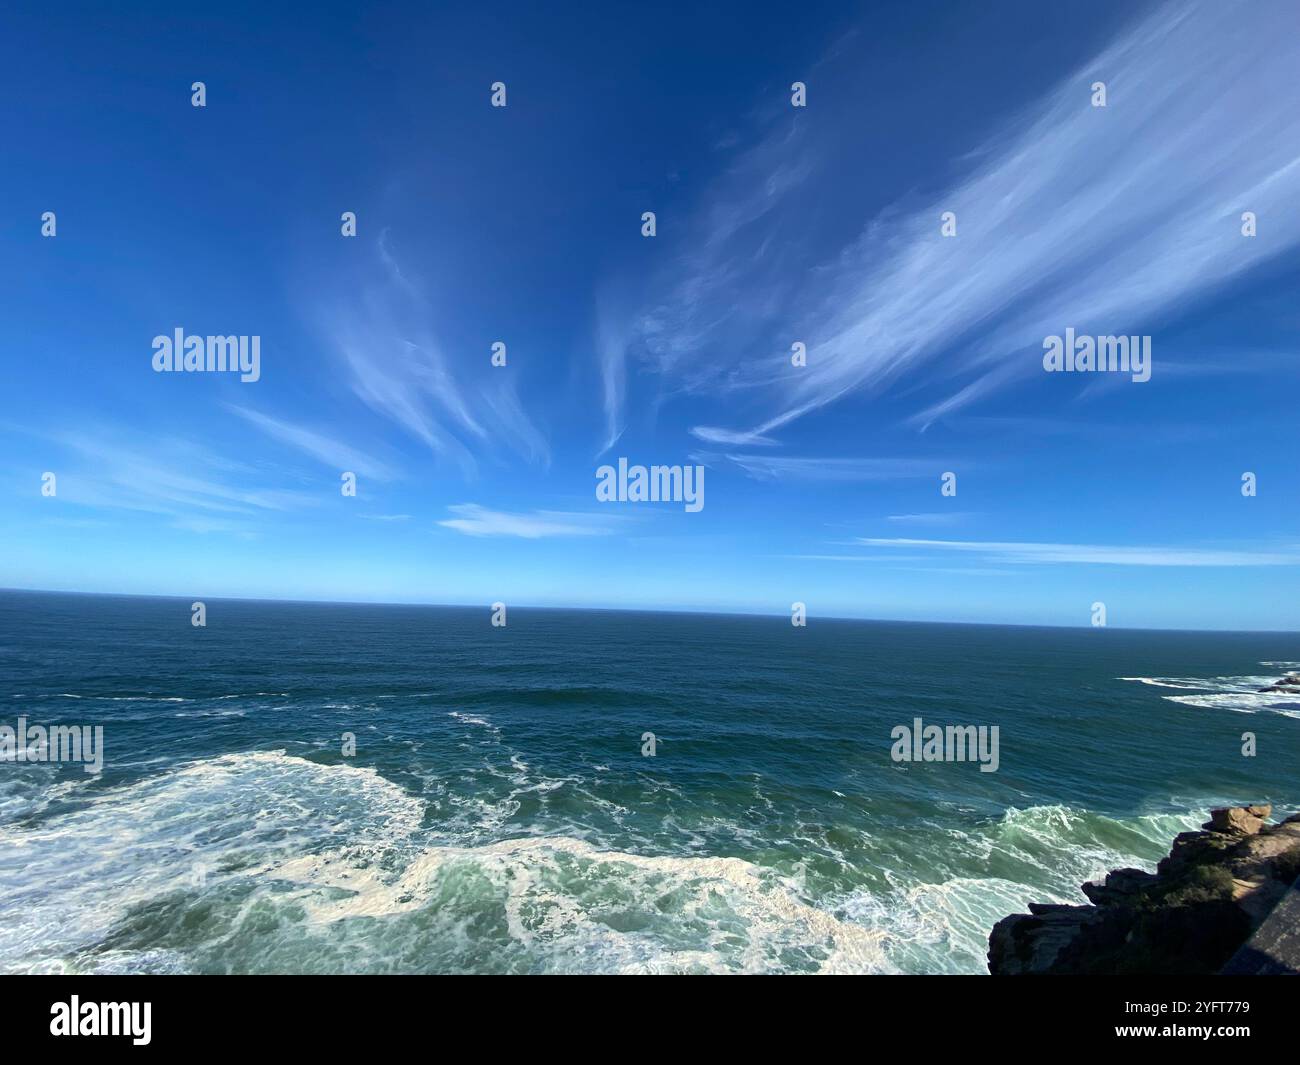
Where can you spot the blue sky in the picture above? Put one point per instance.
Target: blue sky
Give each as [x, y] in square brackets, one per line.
[775, 225]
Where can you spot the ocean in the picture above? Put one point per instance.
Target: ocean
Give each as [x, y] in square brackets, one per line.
[494, 811]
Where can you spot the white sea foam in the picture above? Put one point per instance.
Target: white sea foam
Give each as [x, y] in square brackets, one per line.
[1163, 682]
[567, 901]
[26, 789]
[317, 868]
[944, 926]
[255, 695]
[65, 882]
[1244, 702]
[1239, 694]
[321, 847]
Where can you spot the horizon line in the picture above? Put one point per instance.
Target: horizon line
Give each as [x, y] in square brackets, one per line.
[638, 610]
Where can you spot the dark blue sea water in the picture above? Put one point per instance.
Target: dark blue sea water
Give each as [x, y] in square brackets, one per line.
[498, 814]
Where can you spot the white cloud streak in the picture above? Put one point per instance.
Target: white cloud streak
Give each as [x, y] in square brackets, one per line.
[330, 452]
[782, 468]
[191, 485]
[1109, 220]
[1096, 554]
[474, 520]
[398, 368]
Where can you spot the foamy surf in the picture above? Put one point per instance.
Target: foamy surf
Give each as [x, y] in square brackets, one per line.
[261, 832]
[943, 926]
[1240, 694]
[571, 906]
[268, 862]
[66, 883]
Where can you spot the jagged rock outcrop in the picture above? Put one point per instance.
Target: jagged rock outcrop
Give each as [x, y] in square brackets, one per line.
[1190, 916]
[1289, 683]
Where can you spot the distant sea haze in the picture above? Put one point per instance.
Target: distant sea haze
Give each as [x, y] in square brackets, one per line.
[411, 789]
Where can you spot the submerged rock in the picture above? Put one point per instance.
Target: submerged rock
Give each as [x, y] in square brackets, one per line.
[1206, 898]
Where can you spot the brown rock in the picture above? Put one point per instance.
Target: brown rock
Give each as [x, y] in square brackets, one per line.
[1235, 820]
[1256, 898]
[1273, 854]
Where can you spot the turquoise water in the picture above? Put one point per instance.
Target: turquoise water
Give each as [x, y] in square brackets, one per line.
[498, 814]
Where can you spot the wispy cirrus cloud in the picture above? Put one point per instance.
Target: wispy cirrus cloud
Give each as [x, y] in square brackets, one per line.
[385, 338]
[612, 332]
[942, 517]
[1095, 554]
[787, 468]
[323, 448]
[1105, 219]
[732, 437]
[200, 489]
[723, 285]
[474, 520]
